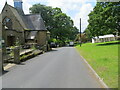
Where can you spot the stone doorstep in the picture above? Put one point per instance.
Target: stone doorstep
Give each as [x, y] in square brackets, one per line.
[26, 51]
[9, 65]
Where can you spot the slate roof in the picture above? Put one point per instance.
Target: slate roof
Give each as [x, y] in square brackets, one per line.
[34, 22]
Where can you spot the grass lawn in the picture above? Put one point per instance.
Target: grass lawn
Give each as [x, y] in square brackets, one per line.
[103, 57]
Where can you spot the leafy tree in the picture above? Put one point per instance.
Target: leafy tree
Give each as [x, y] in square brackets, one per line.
[58, 23]
[104, 19]
[112, 19]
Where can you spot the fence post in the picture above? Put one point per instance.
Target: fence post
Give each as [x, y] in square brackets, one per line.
[45, 48]
[17, 55]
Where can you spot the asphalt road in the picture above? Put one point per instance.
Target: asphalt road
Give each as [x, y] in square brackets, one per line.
[60, 68]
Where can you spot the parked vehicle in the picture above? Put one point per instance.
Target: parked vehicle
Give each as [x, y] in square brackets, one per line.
[53, 45]
[71, 43]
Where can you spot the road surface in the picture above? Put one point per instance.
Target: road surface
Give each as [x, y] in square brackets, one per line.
[60, 68]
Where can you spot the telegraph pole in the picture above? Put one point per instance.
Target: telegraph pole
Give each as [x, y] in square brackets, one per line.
[80, 33]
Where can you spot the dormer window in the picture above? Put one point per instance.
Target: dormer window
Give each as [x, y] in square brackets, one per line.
[7, 23]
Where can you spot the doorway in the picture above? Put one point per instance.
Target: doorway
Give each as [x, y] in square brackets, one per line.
[10, 40]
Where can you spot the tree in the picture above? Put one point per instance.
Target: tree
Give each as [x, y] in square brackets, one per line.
[112, 19]
[63, 26]
[58, 23]
[104, 19]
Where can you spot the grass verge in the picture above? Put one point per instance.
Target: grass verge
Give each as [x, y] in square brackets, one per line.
[103, 57]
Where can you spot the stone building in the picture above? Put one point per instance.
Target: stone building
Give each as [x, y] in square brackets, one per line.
[21, 28]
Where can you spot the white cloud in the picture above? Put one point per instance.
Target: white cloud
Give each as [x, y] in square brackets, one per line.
[26, 6]
[83, 14]
[66, 5]
[2, 3]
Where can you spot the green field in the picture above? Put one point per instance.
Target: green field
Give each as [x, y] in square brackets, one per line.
[103, 57]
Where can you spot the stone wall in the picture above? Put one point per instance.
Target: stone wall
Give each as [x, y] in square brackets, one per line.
[42, 38]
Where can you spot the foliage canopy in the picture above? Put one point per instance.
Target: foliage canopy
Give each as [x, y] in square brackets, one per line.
[104, 19]
[58, 23]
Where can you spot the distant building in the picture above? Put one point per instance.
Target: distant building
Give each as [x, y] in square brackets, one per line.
[22, 28]
[81, 38]
[104, 38]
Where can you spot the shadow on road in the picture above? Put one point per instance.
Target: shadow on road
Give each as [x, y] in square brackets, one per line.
[4, 72]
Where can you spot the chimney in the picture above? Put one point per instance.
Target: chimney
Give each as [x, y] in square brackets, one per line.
[18, 4]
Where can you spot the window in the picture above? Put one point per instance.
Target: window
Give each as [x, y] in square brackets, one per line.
[7, 22]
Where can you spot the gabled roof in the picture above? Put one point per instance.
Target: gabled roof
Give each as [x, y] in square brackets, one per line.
[29, 21]
[34, 22]
[18, 16]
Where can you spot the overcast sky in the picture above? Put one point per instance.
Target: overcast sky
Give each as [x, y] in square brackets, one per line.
[76, 9]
